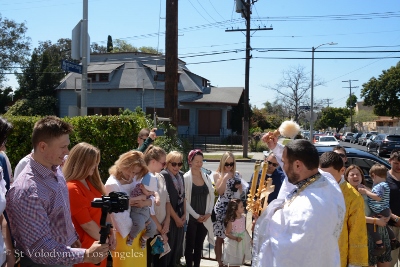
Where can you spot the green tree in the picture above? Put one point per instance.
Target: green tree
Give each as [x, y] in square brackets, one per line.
[351, 103]
[41, 75]
[333, 117]
[109, 44]
[383, 93]
[5, 98]
[123, 46]
[363, 116]
[149, 50]
[95, 48]
[40, 106]
[14, 45]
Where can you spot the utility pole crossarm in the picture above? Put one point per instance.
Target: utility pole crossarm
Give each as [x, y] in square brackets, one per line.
[257, 29]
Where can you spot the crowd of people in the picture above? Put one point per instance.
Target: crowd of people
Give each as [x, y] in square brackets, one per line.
[319, 214]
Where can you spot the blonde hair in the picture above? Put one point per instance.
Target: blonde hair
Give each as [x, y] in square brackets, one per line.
[128, 161]
[80, 160]
[172, 156]
[153, 152]
[224, 158]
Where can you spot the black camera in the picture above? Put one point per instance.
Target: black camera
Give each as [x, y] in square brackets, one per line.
[236, 182]
[113, 203]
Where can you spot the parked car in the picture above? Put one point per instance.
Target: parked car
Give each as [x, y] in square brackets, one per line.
[384, 144]
[360, 158]
[338, 136]
[372, 137]
[363, 138]
[327, 141]
[306, 135]
[346, 137]
[354, 138]
[316, 137]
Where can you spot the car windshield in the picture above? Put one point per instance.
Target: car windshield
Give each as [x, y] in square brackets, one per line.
[327, 139]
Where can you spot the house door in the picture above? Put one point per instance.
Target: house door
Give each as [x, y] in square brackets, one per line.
[209, 122]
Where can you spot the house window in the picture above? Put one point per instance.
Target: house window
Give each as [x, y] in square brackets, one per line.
[103, 111]
[103, 77]
[160, 77]
[183, 116]
[91, 77]
[229, 117]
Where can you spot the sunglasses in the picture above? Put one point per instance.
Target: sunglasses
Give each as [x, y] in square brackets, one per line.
[273, 164]
[229, 164]
[176, 163]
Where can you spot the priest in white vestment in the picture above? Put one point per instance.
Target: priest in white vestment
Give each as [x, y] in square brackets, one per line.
[301, 227]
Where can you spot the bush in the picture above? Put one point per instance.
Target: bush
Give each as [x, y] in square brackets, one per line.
[113, 135]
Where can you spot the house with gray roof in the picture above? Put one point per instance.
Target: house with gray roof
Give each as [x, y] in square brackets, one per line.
[128, 80]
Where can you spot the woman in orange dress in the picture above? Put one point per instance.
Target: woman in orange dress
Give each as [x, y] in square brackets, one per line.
[84, 184]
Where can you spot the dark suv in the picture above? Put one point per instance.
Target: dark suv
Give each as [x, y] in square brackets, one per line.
[360, 158]
[384, 144]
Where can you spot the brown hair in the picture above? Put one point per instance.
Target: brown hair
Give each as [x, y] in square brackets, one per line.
[379, 170]
[153, 152]
[80, 160]
[128, 161]
[144, 132]
[351, 167]
[331, 159]
[395, 155]
[224, 157]
[5, 128]
[49, 128]
[233, 206]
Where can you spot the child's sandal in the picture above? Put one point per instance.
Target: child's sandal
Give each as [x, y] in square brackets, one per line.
[142, 242]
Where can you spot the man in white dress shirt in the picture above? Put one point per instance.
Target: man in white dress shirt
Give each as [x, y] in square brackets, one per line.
[302, 226]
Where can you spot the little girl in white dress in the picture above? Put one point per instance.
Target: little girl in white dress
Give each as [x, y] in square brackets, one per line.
[237, 243]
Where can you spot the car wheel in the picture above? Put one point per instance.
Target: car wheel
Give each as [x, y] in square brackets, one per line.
[378, 151]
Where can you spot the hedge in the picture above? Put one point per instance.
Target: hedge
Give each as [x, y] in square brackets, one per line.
[113, 135]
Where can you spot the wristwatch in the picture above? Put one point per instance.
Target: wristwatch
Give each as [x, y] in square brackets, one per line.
[396, 219]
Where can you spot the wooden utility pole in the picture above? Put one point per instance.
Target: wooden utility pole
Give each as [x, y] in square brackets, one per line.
[171, 62]
[350, 102]
[246, 13]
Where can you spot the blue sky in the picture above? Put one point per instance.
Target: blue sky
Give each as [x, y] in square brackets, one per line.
[355, 25]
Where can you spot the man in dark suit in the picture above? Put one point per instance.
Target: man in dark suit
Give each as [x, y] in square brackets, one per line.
[274, 172]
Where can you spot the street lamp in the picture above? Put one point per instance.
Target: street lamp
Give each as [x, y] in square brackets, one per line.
[312, 88]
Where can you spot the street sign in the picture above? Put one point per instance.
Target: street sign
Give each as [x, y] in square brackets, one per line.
[71, 66]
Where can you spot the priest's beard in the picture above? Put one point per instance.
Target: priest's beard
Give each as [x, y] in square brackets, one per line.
[293, 177]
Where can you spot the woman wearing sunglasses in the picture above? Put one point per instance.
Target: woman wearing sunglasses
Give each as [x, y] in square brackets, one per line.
[228, 186]
[176, 190]
[199, 204]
